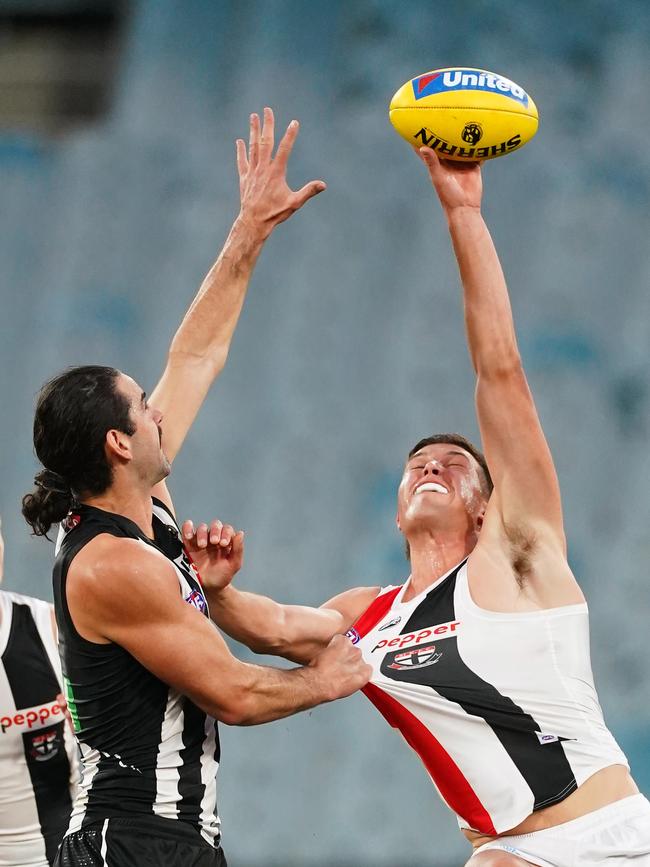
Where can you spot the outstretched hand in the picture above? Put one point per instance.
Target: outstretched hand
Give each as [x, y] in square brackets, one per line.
[458, 184]
[266, 198]
[216, 550]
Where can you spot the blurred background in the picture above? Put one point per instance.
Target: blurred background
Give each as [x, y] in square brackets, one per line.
[118, 186]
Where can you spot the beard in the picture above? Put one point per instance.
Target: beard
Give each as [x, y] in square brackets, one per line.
[165, 467]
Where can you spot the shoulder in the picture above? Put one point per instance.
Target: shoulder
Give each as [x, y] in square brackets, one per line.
[42, 612]
[38, 606]
[352, 603]
[21, 599]
[111, 573]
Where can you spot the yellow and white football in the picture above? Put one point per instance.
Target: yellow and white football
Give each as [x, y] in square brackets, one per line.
[464, 114]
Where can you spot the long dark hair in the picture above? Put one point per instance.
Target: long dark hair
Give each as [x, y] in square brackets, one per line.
[74, 412]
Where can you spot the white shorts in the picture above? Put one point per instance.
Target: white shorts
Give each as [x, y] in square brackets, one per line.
[614, 835]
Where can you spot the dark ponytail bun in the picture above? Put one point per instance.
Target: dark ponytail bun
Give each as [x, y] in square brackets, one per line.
[74, 411]
[48, 503]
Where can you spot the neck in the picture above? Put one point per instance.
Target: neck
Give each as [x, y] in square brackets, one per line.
[126, 500]
[433, 555]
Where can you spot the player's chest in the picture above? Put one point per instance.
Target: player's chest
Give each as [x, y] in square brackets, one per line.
[412, 646]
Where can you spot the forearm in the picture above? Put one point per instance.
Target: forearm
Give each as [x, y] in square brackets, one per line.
[256, 621]
[488, 316]
[200, 346]
[266, 694]
[207, 328]
[295, 632]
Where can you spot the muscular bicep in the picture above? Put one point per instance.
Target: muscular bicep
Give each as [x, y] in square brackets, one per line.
[518, 456]
[184, 649]
[170, 638]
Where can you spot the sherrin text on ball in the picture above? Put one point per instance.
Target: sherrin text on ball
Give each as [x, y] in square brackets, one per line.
[464, 114]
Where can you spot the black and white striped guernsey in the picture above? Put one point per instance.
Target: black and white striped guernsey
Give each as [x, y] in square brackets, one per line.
[37, 751]
[146, 749]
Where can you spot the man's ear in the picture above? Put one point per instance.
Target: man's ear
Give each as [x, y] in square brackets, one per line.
[480, 518]
[118, 445]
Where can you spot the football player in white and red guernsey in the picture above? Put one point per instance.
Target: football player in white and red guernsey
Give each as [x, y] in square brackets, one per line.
[481, 658]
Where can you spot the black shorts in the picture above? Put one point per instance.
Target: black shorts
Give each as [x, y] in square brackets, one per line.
[142, 842]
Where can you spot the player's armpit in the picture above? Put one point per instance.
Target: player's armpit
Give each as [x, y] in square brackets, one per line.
[106, 602]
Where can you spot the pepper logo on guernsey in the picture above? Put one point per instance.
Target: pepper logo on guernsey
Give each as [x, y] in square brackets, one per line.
[440, 630]
[467, 79]
[33, 717]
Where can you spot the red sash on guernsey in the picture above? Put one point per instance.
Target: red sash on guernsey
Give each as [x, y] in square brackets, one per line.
[445, 773]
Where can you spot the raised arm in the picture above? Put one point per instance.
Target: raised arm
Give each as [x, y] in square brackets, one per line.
[104, 579]
[526, 487]
[295, 632]
[200, 347]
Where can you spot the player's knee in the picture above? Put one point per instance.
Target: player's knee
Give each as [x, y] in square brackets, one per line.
[495, 858]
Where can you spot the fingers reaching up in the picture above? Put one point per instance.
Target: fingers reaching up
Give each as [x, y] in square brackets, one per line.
[266, 198]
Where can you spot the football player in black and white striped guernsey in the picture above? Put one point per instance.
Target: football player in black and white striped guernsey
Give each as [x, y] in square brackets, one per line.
[481, 658]
[38, 754]
[147, 674]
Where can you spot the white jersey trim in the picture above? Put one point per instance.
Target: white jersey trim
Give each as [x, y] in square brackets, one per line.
[171, 743]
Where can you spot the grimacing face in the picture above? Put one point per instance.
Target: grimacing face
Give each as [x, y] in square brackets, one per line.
[146, 441]
[441, 488]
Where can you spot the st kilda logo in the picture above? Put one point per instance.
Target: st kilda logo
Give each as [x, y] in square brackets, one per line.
[472, 133]
[44, 746]
[415, 657]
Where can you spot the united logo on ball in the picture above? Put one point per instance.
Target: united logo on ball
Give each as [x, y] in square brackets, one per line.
[464, 114]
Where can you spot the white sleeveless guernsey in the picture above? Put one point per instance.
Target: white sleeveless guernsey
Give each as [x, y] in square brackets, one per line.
[501, 708]
[38, 757]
